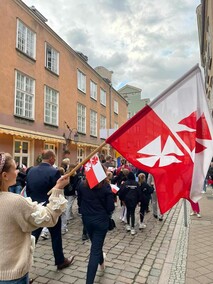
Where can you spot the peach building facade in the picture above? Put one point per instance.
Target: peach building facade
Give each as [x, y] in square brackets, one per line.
[50, 96]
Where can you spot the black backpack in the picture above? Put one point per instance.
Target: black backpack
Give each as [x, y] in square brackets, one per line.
[131, 198]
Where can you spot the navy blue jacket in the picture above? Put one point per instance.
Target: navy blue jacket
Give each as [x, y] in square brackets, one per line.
[96, 201]
[40, 180]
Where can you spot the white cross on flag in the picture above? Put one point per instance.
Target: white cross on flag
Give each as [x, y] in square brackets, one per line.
[171, 139]
[94, 171]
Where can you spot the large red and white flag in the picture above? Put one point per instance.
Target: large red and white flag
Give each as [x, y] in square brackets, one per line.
[94, 171]
[172, 139]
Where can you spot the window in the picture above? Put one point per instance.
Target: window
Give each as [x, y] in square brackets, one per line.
[80, 154]
[25, 40]
[93, 123]
[115, 125]
[48, 146]
[103, 122]
[81, 118]
[93, 90]
[115, 107]
[52, 59]
[81, 81]
[103, 97]
[51, 106]
[21, 152]
[24, 96]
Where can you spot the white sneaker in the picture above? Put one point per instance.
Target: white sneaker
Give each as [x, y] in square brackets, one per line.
[198, 215]
[128, 228]
[102, 266]
[142, 226]
[64, 231]
[193, 213]
[124, 220]
[133, 231]
[44, 236]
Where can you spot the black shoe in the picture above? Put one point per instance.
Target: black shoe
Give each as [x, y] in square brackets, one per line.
[160, 219]
[85, 237]
[156, 216]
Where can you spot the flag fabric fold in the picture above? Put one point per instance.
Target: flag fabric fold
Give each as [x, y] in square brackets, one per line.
[94, 171]
[172, 139]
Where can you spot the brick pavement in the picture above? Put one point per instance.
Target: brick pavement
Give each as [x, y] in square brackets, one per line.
[164, 252]
[200, 248]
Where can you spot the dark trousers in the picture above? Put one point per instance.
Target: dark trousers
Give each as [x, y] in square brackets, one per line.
[130, 213]
[56, 238]
[143, 209]
[97, 227]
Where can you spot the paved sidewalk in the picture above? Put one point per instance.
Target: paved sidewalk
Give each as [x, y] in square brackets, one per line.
[164, 252]
[200, 244]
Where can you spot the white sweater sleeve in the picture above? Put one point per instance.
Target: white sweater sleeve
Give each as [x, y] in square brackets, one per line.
[32, 215]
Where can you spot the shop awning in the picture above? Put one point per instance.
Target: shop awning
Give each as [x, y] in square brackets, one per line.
[31, 134]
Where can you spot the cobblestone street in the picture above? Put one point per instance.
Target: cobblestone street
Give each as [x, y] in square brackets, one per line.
[130, 259]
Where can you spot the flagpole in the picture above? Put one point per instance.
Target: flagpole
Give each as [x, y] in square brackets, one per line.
[185, 212]
[82, 163]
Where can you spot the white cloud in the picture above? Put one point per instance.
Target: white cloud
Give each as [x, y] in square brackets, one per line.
[148, 44]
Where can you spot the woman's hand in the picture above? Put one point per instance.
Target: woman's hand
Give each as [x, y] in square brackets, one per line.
[62, 182]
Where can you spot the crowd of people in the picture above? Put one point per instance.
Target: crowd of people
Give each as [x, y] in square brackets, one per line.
[41, 215]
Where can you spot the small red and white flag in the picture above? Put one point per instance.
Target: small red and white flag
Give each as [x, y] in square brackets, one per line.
[94, 171]
[114, 188]
[172, 138]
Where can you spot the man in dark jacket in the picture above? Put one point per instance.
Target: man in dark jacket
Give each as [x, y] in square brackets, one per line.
[40, 180]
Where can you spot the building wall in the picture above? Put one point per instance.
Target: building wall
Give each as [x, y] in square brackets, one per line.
[135, 101]
[65, 83]
[205, 31]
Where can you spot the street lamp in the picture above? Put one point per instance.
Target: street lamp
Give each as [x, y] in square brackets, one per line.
[68, 138]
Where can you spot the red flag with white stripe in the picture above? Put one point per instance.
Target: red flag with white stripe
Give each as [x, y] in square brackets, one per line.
[94, 171]
[172, 138]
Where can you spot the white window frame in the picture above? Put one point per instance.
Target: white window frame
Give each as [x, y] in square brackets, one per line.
[115, 125]
[20, 155]
[81, 118]
[49, 146]
[102, 122]
[52, 59]
[103, 97]
[93, 123]
[80, 154]
[81, 77]
[24, 96]
[93, 90]
[116, 107]
[25, 40]
[51, 106]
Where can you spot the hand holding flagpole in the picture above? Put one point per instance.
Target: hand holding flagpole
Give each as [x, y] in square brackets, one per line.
[82, 163]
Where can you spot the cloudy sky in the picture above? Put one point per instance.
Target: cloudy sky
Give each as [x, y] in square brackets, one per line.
[147, 44]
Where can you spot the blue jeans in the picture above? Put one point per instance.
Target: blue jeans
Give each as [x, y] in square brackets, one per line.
[22, 280]
[97, 227]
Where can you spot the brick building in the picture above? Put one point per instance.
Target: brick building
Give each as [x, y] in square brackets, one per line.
[50, 96]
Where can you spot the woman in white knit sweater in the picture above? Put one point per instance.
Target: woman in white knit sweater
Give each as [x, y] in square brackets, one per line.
[19, 217]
